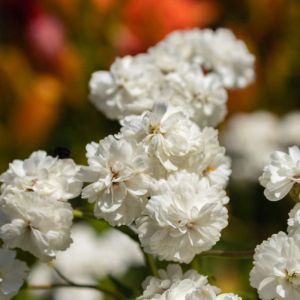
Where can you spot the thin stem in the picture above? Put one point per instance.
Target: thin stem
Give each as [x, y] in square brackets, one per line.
[233, 254]
[151, 264]
[70, 283]
[114, 295]
[129, 232]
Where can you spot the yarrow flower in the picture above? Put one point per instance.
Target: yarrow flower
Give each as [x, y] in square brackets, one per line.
[281, 174]
[35, 224]
[118, 181]
[166, 134]
[12, 274]
[124, 90]
[43, 174]
[218, 51]
[174, 284]
[276, 271]
[184, 219]
[170, 71]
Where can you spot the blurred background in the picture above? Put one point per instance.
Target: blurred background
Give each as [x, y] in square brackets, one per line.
[49, 48]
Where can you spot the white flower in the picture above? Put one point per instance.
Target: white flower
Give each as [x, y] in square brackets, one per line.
[35, 224]
[46, 175]
[217, 51]
[207, 98]
[209, 159]
[183, 44]
[166, 134]
[276, 271]
[12, 274]
[281, 174]
[124, 89]
[249, 139]
[294, 220]
[184, 219]
[202, 97]
[230, 58]
[173, 284]
[228, 296]
[117, 174]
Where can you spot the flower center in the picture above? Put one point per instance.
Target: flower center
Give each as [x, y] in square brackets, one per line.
[292, 276]
[208, 170]
[154, 128]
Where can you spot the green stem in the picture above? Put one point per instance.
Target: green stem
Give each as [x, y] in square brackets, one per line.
[233, 254]
[114, 295]
[69, 283]
[126, 230]
[151, 264]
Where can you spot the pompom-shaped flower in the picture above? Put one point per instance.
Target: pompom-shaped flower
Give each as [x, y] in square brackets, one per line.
[12, 274]
[281, 174]
[46, 175]
[219, 52]
[229, 57]
[35, 224]
[206, 97]
[174, 284]
[276, 271]
[117, 174]
[166, 134]
[184, 219]
[124, 89]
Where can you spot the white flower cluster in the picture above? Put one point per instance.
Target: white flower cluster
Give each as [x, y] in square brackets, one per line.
[174, 284]
[276, 271]
[250, 138]
[165, 176]
[35, 214]
[188, 69]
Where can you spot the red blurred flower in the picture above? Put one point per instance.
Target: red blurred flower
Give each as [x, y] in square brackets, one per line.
[45, 35]
[148, 21]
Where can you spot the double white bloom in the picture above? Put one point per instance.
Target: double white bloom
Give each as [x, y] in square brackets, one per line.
[46, 175]
[174, 284]
[119, 184]
[166, 134]
[183, 219]
[35, 224]
[219, 52]
[276, 272]
[281, 174]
